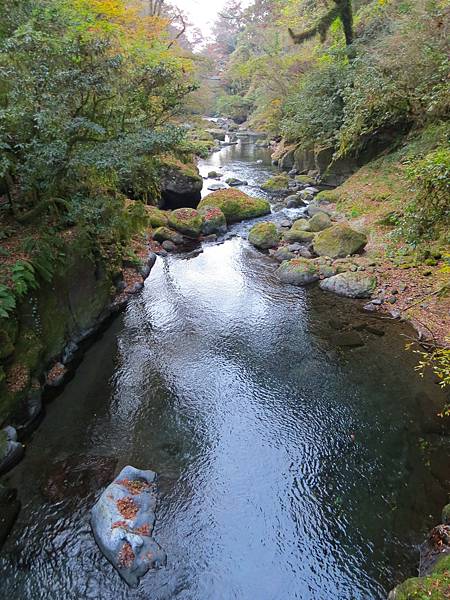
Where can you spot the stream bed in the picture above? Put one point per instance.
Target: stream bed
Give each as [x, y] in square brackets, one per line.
[290, 467]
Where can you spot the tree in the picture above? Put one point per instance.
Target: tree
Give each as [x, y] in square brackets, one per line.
[342, 11]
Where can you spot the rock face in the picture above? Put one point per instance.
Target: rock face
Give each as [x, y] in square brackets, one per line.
[299, 271]
[187, 221]
[164, 233]
[350, 285]
[339, 241]
[181, 184]
[235, 205]
[264, 236]
[123, 521]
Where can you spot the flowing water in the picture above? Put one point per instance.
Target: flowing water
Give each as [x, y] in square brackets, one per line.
[289, 467]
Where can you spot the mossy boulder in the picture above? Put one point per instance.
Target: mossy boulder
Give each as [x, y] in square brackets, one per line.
[299, 271]
[339, 241]
[264, 236]
[351, 285]
[319, 222]
[446, 514]
[236, 205]
[434, 587]
[298, 235]
[301, 225]
[180, 181]
[277, 183]
[214, 175]
[164, 233]
[328, 196]
[305, 179]
[156, 217]
[214, 220]
[187, 221]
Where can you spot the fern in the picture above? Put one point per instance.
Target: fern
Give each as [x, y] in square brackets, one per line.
[7, 301]
[23, 277]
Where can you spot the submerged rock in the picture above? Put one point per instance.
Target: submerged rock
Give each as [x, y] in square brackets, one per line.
[236, 205]
[123, 521]
[298, 271]
[339, 241]
[187, 221]
[350, 285]
[264, 236]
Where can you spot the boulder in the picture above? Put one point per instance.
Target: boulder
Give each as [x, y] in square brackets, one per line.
[350, 285]
[277, 183]
[214, 175]
[339, 241]
[317, 207]
[236, 205]
[298, 235]
[216, 186]
[187, 221]
[233, 182]
[319, 222]
[295, 201]
[301, 225]
[282, 254]
[156, 217]
[169, 246]
[298, 271]
[11, 451]
[264, 236]
[213, 220]
[164, 233]
[181, 183]
[122, 521]
[217, 134]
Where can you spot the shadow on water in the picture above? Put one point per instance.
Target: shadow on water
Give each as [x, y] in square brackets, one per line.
[291, 466]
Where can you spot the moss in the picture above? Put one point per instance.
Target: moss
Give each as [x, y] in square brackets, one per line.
[264, 236]
[187, 221]
[236, 205]
[214, 220]
[434, 587]
[156, 217]
[276, 183]
[187, 168]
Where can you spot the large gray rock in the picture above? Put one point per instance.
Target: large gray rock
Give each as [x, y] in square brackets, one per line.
[298, 271]
[350, 285]
[11, 451]
[319, 222]
[122, 521]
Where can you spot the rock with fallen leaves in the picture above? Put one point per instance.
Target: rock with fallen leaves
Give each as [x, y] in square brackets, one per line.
[122, 521]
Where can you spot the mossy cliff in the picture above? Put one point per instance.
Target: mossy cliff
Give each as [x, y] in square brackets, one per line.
[49, 321]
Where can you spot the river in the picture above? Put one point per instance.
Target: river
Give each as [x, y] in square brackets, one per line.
[290, 468]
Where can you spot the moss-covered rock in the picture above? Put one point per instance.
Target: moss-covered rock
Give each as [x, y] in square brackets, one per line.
[326, 196]
[264, 236]
[187, 221]
[235, 205]
[301, 225]
[305, 179]
[351, 285]
[214, 220]
[298, 235]
[156, 217]
[319, 222]
[299, 271]
[164, 233]
[339, 241]
[179, 181]
[277, 183]
[446, 514]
